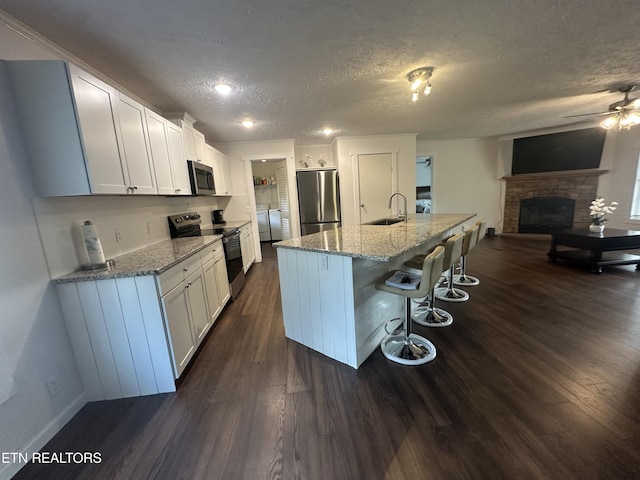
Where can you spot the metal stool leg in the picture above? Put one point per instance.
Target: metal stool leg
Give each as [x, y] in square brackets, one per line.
[464, 280]
[428, 315]
[451, 294]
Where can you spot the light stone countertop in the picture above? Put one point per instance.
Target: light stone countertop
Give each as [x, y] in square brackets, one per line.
[378, 242]
[150, 260]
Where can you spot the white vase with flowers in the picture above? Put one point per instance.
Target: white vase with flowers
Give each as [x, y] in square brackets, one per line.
[598, 212]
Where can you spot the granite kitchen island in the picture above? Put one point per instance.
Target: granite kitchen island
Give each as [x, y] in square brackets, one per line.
[327, 282]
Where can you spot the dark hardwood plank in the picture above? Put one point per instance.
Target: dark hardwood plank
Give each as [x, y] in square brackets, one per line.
[538, 377]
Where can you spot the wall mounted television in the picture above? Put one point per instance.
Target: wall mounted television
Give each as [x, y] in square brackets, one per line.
[555, 152]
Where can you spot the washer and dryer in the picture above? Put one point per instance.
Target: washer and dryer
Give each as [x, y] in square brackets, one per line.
[264, 228]
[274, 224]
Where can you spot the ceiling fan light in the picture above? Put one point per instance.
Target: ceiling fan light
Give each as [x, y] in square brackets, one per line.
[633, 118]
[609, 122]
[427, 89]
[414, 96]
[416, 84]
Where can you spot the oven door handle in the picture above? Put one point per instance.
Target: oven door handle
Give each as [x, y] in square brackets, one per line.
[230, 237]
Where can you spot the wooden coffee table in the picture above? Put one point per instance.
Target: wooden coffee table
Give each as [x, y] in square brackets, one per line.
[596, 250]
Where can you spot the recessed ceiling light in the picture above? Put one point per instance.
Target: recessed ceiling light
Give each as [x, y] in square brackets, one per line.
[248, 123]
[223, 88]
[327, 131]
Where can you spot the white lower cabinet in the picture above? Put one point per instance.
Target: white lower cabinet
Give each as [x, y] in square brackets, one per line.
[134, 336]
[222, 280]
[246, 245]
[181, 337]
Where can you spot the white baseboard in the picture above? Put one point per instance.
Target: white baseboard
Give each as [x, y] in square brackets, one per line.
[41, 438]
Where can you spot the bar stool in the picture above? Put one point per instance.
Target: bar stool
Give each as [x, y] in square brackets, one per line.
[426, 313]
[463, 279]
[451, 257]
[408, 348]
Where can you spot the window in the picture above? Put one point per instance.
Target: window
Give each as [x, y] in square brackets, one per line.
[635, 205]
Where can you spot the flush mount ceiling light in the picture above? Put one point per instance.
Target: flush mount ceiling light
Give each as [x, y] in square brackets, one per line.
[327, 131]
[419, 80]
[247, 123]
[223, 88]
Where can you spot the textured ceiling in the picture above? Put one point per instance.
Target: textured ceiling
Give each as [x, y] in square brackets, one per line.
[500, 67]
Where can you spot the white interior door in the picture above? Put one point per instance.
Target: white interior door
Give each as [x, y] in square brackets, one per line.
[375, 180]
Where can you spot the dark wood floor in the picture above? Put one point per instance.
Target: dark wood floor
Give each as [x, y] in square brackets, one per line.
[537, 378]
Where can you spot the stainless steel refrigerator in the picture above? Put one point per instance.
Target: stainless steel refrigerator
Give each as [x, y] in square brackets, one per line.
[319, 200]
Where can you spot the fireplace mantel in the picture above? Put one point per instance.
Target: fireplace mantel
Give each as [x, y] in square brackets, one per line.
[564, 173]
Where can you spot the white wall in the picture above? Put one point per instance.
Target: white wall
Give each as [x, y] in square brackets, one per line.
[465, 177]
[347, 149]
[622, 149]
[315, 151]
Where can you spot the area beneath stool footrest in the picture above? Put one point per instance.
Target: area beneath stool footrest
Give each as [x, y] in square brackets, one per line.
[445, 295]
[431, 318]
[467, 281]
[418, 351]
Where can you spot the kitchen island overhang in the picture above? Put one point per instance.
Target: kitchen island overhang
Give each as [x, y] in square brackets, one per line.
[327, 282]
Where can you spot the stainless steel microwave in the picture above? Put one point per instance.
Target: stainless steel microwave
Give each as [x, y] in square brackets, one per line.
[201, 177]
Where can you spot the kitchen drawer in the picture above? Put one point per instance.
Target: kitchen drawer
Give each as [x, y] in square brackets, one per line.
[172, 277]
[209, 253]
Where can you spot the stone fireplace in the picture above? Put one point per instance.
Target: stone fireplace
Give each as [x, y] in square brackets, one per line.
[576, 187]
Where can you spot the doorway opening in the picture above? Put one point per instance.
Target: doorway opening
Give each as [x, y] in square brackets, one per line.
[423, 184]
[271, 199]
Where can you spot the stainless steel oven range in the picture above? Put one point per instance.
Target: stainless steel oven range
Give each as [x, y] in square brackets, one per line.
[188, 225]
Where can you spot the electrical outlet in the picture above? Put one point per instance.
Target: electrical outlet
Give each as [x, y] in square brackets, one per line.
[118, 235]
[54, 386]
[149, 228]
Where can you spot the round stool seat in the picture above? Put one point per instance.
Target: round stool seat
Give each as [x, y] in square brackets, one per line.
[416, 350]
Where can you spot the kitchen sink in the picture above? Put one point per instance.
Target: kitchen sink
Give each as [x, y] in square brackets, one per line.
[386, 221]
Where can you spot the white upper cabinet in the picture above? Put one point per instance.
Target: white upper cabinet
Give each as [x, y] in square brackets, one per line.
[167, 151]
[189, 141]
[135, 151]
[95, 102]
[221, 171]
[158, 134]
[199, 146]
[178, 159]
[82, 135]
[223, 165]
[193, 140]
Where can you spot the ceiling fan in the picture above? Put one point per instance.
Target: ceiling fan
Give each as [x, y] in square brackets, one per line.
[624, 113]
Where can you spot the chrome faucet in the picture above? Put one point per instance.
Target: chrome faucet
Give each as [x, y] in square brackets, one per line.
[405, 204]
